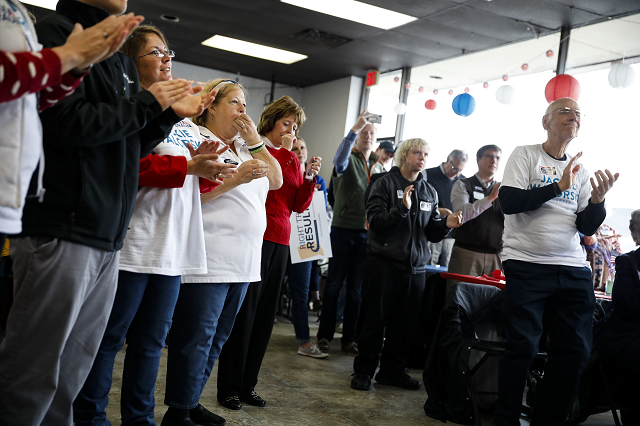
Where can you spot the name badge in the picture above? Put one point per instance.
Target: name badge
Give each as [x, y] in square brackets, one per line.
[400, 193]
[478, 195]
[548, 171]
[424, 206]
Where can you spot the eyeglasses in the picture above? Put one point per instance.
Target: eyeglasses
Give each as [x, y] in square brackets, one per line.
[566, 112]
[491, 157]
[454, 168]
[160, 53]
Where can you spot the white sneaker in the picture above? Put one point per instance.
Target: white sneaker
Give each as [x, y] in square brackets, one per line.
[313, 352]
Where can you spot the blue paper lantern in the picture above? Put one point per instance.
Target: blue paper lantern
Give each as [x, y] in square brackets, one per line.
[464, 104]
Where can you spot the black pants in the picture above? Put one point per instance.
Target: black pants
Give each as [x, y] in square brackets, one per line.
[242, 354]
[391, 299]
[560, 298]
[349, 247]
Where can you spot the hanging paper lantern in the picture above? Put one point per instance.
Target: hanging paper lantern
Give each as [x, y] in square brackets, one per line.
[549, 53]
[621, 76]
[562, 86]
[525, 67]
[400, 108]
[505, 94]
[466, 90]
[450, 91]
[408, 85]
[420, 89]
[505, 77]
[485, 85]
[396, 79]
[430, 104]
[435, 91]
[464, 104]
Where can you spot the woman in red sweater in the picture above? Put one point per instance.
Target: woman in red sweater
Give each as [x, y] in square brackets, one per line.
[241, 357]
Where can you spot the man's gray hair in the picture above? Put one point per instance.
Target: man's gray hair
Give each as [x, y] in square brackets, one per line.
[634, 226]
[459, 154]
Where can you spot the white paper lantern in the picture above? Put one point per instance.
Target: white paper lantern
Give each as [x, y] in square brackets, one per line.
[505, 94]
[400, 109]
[621, 76]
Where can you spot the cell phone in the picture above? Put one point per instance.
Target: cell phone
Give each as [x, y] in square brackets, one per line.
[375, 118]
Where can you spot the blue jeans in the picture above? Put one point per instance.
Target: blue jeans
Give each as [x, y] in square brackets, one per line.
[299, 277]
[202, 322]
[142, 312]
[349, 247]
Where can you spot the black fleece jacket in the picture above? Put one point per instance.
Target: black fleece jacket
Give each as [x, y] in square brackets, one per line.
[93, 142]
[398, 234]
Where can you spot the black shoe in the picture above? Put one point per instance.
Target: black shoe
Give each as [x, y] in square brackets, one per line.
[175, 417]
[231, 402]
[204, 417]
[253, 399]
[402, 381]
[361, 381]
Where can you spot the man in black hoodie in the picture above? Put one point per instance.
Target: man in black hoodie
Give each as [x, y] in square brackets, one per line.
[66, 259]
[402, 210]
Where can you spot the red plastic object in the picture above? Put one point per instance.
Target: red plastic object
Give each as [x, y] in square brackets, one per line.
[562, 86]
[474, 280]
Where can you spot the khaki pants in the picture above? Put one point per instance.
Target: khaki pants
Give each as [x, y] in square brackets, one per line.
[467, 262]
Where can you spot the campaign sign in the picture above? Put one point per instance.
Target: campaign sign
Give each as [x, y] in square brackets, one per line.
[310, 232]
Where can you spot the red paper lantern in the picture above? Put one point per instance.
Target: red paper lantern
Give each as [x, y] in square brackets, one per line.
[505, 77]
[430, 104]
[451, 91]
[549, 53]
[421, 89]
[435, 91]
[485, 85]
[525, 67]
[562, 86]
[396, 79]
[407, 85]
[466, 90]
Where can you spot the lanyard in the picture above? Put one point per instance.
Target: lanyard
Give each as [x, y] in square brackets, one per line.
[28, 34]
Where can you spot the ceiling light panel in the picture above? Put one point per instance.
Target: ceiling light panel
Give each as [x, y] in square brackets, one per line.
[356, 11]
[252, 49]
[45, 4]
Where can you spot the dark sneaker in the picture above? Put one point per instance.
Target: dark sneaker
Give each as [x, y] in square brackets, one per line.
[230, 402]
[204, 417]
[253, 399]
[351, 349]
[323, 344]
[361, 381]
[402, 381]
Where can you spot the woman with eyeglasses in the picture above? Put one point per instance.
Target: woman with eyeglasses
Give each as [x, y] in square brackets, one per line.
[241, 357]
[165, 240]
[234, 221]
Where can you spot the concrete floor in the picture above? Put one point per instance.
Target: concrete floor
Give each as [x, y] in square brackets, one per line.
[304, 391]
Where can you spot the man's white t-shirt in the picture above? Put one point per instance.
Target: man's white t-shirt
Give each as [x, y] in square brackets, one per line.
[234, 224]
[547, 235]
[165, 234]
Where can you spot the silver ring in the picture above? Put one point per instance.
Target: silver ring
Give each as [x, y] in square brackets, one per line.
[254, 172]
[105, 35]
[242, 127]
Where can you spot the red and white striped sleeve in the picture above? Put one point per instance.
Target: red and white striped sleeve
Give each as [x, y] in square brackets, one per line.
[31, 72]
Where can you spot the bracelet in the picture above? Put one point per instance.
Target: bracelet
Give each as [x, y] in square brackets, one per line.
[256, 145]
[256, 149]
